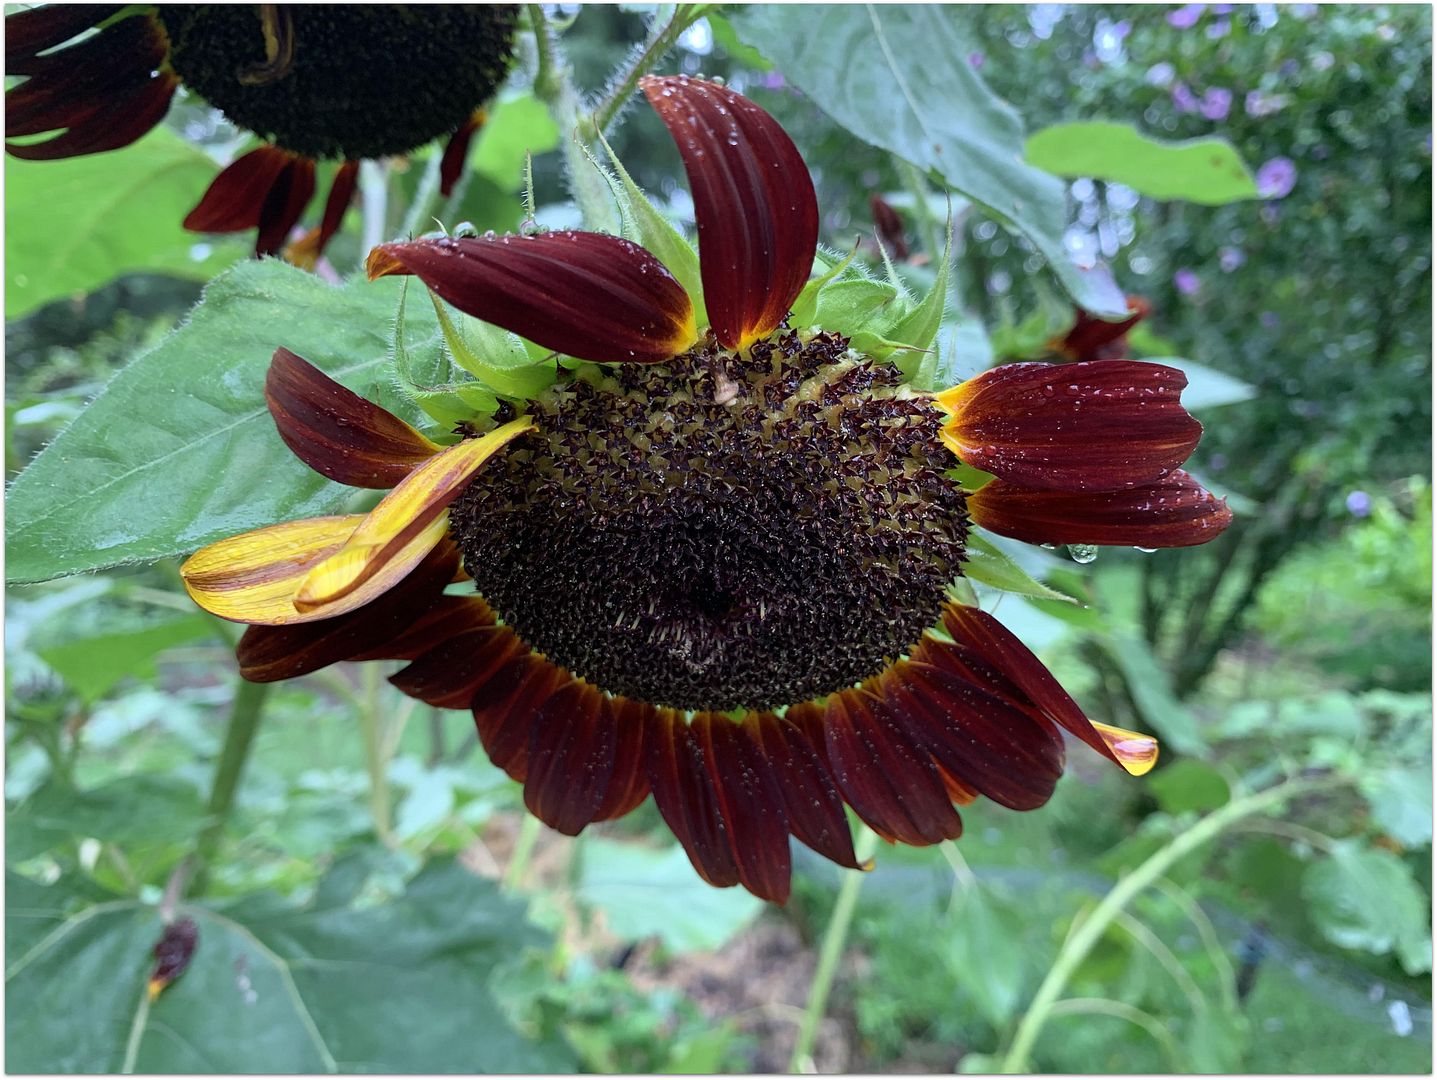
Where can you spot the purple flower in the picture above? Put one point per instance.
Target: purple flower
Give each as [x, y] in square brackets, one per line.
[976, 60]
[1186, 17]
[1219, 28]
[1216, 103]
[1230, 258]
[1359, 503]
[1160, 74]
[774, 80]
[1186, 281]
[1269, 320]
[1257, 104]
[1276, 178]
[1184, 100]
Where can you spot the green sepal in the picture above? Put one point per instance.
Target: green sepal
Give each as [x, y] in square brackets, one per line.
[446, 403]
[919, 327]
[983, 561]
[855, 306]
[643, 224]
[806, 306]
[498, 359]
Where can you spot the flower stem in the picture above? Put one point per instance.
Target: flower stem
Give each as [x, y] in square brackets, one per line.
[529, 830]
[835, 936]
[376, 753]
[1081, 941]
[244, 721]
[662, 38]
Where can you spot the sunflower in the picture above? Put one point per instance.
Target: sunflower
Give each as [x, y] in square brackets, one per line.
[314, 81]
[718, 562]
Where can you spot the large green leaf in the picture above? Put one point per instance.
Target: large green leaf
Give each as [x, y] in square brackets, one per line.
[1207, 171]
[402, 987]
[92, 665]
[1207, 387]
[899, 77]
[1365, 898]
[179, 450]
[74, 225]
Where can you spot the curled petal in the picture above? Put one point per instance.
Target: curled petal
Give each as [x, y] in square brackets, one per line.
[271, 653]
[29, 33]
[1174, 512]
[397, 533]
[1137, 753]
[336, 432]
[252, 578]
[1098, 426]
[588, 295]
[110, 124]
[284, 205]
[1026, 679]
[754, 204]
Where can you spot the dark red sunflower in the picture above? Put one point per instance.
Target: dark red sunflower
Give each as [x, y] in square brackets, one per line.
[314, 81]
[715, 564]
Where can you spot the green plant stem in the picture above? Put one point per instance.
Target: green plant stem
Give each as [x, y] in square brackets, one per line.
[244, 722]
[661, 39]
[1082, 940]
[835, 936]
[928, 224]
[376, 756]
[529, 830]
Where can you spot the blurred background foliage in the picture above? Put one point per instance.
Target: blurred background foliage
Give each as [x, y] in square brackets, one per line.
[374, 902]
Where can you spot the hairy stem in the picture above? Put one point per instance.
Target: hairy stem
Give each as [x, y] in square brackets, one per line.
[835, 936]
[662, 37]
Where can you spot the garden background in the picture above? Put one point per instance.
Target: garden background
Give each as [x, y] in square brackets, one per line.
[374, 899]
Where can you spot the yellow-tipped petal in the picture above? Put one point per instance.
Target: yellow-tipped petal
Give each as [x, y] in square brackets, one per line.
[401, 530]
[951, 400]
[1137, 753]
[252, 578]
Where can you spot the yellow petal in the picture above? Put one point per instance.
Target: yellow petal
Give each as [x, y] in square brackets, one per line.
[1137, 753]
[951, 400]
[252, 578]
[396, 535]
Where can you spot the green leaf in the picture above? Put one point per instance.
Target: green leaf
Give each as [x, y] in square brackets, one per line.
[521, 125]
[1401, 802]
[92, 665]
[1207, 387]
[1365, 898]
[914, 94]
[1189, 785]
[399, 987]
[985, 952]
[179, 450]
[1152, 691]
[142, 811]
[805, 307]
[1206, 171]
[985, 562]
[645, 893]
[728, 41]
[90, 219]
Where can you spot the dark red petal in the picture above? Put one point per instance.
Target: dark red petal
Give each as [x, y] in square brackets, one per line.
[447, 617]
[754, 204]
[685, 795]
[1098, 426]
[885, 774]
[751, 802]
[29, 33]
[236, 197]
[589, 295]
[336, 432]
[629, 783]
[505, 707]
[450, 674]
[977, 630]
[456, 152]
[981, 740]
[810, 797]
[1095, 339]
[307, 250]
[118, 122]
[571, 758]
[284, 205]
[1174, 512]
[271, 653]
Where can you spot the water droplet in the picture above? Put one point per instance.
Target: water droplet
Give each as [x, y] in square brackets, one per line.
[1083, 553]
[1145, 551]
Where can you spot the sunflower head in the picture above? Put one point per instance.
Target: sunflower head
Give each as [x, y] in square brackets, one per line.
[715, 557]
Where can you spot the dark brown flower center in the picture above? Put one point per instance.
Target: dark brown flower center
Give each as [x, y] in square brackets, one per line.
[342, 80]
[721, 532]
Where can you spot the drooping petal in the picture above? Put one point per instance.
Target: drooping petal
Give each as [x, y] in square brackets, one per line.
[685, 795]
[307, 250]
[980, 632]
[445, 618]
[456, 152]
[1098, 426]
[235, 198]
[29, 33]
[982, 741]
[754, 204]
[448, 675]
[252, 578]
[589, 295]
[810, 797]
[397, 533]
[505, 707]
[570, 758]
[336, 432]
[884, 774]
[1174, 512]
[116, 122]
[629, 782]
[1092, 338]
[272, 653]
[284, 205]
